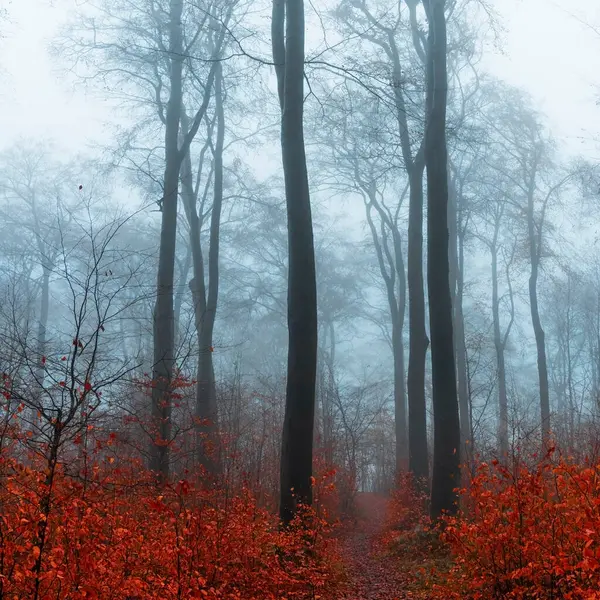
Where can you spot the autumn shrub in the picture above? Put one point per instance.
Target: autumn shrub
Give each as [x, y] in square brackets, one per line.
[406, 516]
[112, 533]
[531, 532]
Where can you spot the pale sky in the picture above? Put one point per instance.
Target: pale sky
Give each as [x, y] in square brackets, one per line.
[544, 49]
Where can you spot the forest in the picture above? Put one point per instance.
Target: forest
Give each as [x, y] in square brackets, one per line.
[317, 318]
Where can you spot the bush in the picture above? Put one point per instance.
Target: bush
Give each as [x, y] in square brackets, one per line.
[528, 533]
[114, 534]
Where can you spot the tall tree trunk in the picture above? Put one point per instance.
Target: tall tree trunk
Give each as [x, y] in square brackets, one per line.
[400, 397]
[391, 267]
[206, 395]
[402, 461]
[298, 425]
[418, 341]
[464, 401]
[164, 340]
[535, 242]
[446, 453]
[328, 396]
[40, 372]
[181, 286]
[457, 283]
[500, 363]
[414, 165]
[205, 302]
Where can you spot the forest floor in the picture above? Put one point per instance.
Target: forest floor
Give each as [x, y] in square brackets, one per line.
[378, 573]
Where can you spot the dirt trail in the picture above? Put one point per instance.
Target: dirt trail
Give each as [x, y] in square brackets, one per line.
[370, 577]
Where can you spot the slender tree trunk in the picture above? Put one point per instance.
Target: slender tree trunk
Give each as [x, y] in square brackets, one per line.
[41, 343]
[402, 461]
[206, 394]
[500, 364]
[456, 256]
[446, 453]
[164, 339]
[328, 396]
[540, 343]
[391, 267]
[181, 286]
[298, 425]
[400, 397]
[418, 341]
[205, 301]
[461, 370]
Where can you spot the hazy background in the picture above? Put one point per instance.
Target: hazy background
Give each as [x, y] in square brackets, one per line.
[547, 47]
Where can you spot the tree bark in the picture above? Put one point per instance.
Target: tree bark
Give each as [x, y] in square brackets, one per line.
[500, 363]
[164, 340]
[298, 426]
[181, 286]
[397, 307]
[206, 393]
[535, 242]
[457, 283]
[418, 341]
[414, 165]
[205, 301]
[446, 456]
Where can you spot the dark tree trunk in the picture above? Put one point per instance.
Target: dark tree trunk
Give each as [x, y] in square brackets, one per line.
[535, 242]
[400, 403]
[42, 341]
[205, 302]
[464, 402]
[457, 283]
[391, 267]
[298, 426]
[400, 398]
[446, 454]
[328, 395]
[206, 394]
[164, 340]
[541, 357]
[418, 341]
[535, 253]
[414, 165]
[181, 287]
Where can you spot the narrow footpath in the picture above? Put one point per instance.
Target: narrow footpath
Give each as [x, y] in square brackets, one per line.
[371, 576]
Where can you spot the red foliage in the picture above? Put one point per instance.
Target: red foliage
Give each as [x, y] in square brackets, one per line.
[111, 533]
[529, 533]
[406, 510]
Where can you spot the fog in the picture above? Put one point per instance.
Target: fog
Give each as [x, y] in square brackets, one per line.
[83, 109]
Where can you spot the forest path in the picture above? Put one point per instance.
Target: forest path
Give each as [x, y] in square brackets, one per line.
[372, 577]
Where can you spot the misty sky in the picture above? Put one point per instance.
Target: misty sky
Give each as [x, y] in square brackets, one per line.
[543, 48]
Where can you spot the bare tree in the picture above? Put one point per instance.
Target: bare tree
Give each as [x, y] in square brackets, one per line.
[388, 32]
[446, 449]
[537, 182]
[298, 425]
[156, 76]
